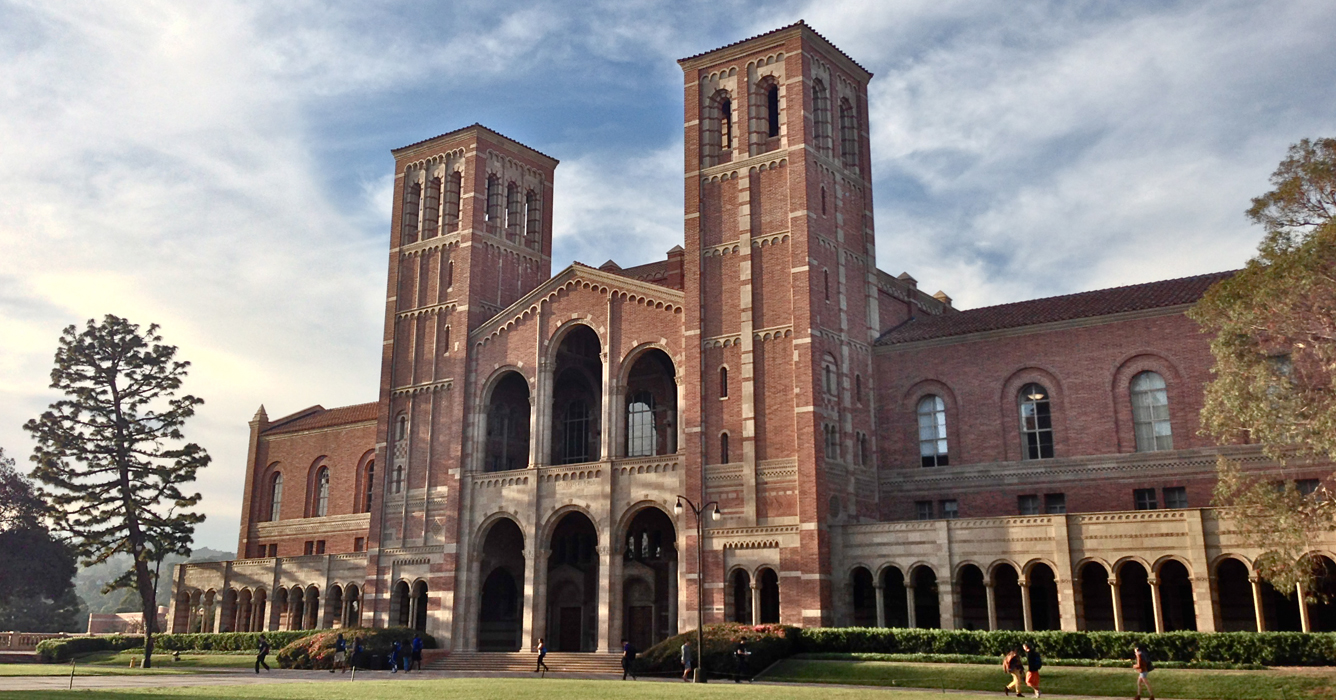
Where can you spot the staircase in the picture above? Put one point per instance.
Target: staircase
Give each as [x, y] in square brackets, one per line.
[523, 662]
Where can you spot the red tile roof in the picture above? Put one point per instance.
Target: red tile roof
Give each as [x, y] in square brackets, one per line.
[321, 417]
[1101, 302]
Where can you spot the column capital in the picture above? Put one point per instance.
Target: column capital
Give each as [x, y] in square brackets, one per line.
[878, 585]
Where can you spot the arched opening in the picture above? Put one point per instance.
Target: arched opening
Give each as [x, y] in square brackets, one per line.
[496, 203]
[863, 597]
[368, 486]
[412, 209]
[1043, 585]
[1237, 613]
[296, 608]
[333, 616]
[894, 597]
[241, 618]
[577, 397]
[453, 183]
[768, 583]
[514, 213]
[181, 615]
[821, 117]
[228, 612]
[772, 109]
[848, 134]
[258, 615]
[1134, 589]
[1007, 598]
[973, 597]
[1096, 598]
[399, 604]
[320, 499]
[508, 424]
[533, 227]
[572, 575]
[1176, 602]
[651, 406]
[740, 593]
[1322, 610]
[649, 587]
[500, 614]
[419, 606]
[275, 496]
[311, 607]
[927, 606]
[431, 208]
[352, 606]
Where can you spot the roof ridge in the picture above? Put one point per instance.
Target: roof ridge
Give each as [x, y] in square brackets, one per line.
[800, 23]
[1221, 274]
[474, 125]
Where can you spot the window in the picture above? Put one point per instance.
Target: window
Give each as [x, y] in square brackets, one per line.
[832, 441]
[445, 341]
[1306, 487]
[772, 110]
[412, 205]
[923, 509]
[496, 202]
[825, 281]
[309, 548]
[725, 123]
[1028, 505]
[397, 482]
[829, 377]
[359, 544]
[319, 546]
[453, 183]
[858, 388]
[450, 274]
[1175, 497]
[821, 117]
[950, 509]
[1150, 413]
[369, 487]
[1036, 422]
[533, 228]
[640, 430]
[273, 550]
[823, 200]
[400, 428]
[723, 448]
[723, 382]
[575, 428]
[864, 454]
[932, 431]
[848, 135]
[514, 213]
[321, 493]
[431, 208]
[1055, 503]
[1144, 499]
[275, 496]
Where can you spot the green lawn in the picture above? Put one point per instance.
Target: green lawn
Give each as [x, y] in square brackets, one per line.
[483, 689]
[109, 663]
[1168, 683]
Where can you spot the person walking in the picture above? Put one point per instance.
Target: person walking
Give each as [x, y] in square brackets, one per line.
[1143, 666]
[1011, 663]
[740, 654]
[395, 650]
[1033, 662]
[688, 660]
[262, 650]
[542, 652]
[628, 656]
[417, 653]
[357, 652]
[340, 654]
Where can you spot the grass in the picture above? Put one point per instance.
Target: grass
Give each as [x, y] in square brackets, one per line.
[1273, 684]
[477, 689]
[110, 663]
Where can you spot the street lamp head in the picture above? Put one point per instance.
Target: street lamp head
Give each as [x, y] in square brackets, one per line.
[715, 515]
[677, 509]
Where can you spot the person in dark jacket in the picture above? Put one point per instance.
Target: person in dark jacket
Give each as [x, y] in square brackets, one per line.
[396, 652]
[262, 651]
[628, 658]
[357, 652]
[1033, 662]
[417, 653]
[1011, 663]
[740, 654]
[340, 654]
[1143, 666]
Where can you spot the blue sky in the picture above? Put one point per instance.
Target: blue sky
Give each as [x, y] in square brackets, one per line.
[223, 168]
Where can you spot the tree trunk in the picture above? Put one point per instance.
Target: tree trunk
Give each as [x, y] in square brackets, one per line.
[149, 599]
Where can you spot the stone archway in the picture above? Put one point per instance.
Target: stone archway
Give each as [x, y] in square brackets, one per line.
[1043, 585]
[577, 397]
[418, 607]
[650, 418]
[927, 602]
[1237, 612]
[895, 597]
[1007, 598]
[572, 575]
[1177, 608]
[501, 599]
[740, 591]
[649, 578]
[1134, 589]
[768, 584]
[399, 604]
[508, 424]
[1096, 598]
[973, 598]
[862, 597]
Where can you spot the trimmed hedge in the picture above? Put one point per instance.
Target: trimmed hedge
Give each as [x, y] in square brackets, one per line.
[60, 650]
[767, 644]
[1267, 648]
[316, 651]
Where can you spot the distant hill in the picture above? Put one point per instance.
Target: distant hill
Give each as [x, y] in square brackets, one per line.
[88, 582]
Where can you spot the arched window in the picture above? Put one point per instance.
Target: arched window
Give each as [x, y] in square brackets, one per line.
[848, 134]
[397, 479]
[717, 129]
[412, 206]
[533, 207]
[932, 431]
[825, 282]
[514, 212]
[641, 434]
[821, 122]
[575, 426]
[275, 495]
[829, 377]
[725, 123]
[1150, 413]
[445, 341]
[431, 208]
[858, 388]
[832, 435]
[772, 110]
[400, 427]
[321, 493]
[369, 487]
[450, 274]
[864, 453]
[823, 200]
[723, 448]
[453, 183]
[723, 382]
[1036, 422]
[496, 203]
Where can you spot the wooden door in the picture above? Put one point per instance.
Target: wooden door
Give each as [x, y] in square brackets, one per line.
[640, 621]
[570, 629]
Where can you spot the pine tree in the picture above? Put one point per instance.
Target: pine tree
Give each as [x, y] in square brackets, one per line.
[112, 455]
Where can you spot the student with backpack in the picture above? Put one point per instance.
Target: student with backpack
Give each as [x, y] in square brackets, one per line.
[416, 659]
[1143, 666]
[628, 658]
[396, 650]
[262, 651]
[1011, 663]
[1033, 663]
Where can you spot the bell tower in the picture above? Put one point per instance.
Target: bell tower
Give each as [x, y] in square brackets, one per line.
[780, 285]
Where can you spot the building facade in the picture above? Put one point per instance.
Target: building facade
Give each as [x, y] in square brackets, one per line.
[875, 456]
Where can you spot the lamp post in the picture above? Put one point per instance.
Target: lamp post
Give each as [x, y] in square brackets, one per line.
[700, 576]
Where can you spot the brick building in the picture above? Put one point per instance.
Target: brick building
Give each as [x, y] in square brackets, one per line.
[878, 457]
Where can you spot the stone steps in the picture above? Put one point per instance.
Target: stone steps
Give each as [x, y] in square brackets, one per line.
[524, 662]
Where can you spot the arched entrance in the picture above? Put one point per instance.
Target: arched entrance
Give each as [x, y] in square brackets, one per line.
[894, 597]
[740, 594]
[399, 604]
[768, 584]
[1096, 598]
[352, 606]
[1134, 590]
[500, 614]
[572, 581]
[333, 616]
[258, 616]
[508, 424]
[242, 614]
[863, 596]
[1007, 598]
[1322, 611]
[1237, 613]
[577, 397]
[650, 418]
[419, 606]
[1044, 614]
[927, 607]
[649, 579]
[311, 607]
[1176, 603]
[973, 598]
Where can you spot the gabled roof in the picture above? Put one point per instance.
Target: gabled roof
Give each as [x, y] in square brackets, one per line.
[800, 23]
[320, 417]
[1101, 302]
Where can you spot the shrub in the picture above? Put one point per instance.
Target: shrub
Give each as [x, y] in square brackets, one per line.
[317, 650]
[767, 644]
[61, 650]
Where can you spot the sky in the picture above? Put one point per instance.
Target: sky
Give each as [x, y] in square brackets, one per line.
[223, 168]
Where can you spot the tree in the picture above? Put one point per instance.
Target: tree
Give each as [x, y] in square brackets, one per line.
[112, 454]
[36, 570]
[1274, 343]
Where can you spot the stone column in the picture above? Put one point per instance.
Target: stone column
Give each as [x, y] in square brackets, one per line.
[880, 590]
[991, 594]
[537, 608]
[605, 642]
[1117, 598]
[756, 602]
[1256, 584]
[672, 598]
[1025, 604]
[909, 603]
[1304, 623]
[527, 613]
[1154, 582]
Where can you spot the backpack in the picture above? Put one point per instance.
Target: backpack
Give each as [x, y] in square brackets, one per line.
[1007, 660]
[1146, 664]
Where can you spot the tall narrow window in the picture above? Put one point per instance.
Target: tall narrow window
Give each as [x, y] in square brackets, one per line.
[397, 482]
[445, 342]
[725, 123]
[932, 431]
[825, 282]
[533, 208]
[450, 274]
[401, 428]
[1036, 422]
[453, 183]
[575, 427]
[864, 454]
[829, 377]
[723, 382]
[821, 120]
[858, 388]
[823, 200]
[275, 496]
[772, 110]
[431, 208]
[832, 442]
[369, 487]
[412, 206]
[1150, 413]
[321, 493]
[496, 202]
[514, 213]
[848, 135]
[640, 429]
[723, 448]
